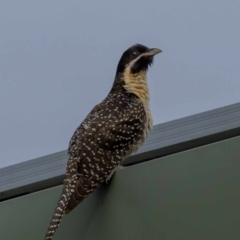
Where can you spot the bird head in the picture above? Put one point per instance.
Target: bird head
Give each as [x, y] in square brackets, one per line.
[132, 67]
[137, 58]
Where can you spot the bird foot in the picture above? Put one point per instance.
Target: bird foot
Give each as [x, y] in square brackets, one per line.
[119, 167]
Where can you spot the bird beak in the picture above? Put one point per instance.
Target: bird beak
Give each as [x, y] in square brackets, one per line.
[152, 52]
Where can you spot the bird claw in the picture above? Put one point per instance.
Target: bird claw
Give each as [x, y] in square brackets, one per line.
[119, 167]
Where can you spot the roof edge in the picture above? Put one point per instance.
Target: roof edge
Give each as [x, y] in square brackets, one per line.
[165, 139]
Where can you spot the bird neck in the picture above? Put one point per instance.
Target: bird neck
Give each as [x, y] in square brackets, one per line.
[136, 83]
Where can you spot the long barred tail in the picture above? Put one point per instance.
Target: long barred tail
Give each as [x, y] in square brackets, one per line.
[58, 214]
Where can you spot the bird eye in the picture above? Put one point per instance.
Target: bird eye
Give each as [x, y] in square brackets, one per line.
[135, 53]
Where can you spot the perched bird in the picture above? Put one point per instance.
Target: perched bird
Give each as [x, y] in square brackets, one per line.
[113, 130]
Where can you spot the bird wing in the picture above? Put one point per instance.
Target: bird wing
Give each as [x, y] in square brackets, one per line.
[100, 143]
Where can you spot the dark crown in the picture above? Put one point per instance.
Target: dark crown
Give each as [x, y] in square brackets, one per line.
[131, 54]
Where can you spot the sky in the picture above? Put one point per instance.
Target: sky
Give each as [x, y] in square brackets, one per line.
[58, 60]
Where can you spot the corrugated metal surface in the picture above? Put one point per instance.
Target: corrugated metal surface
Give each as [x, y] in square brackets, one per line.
[189, 195]
[165, 139]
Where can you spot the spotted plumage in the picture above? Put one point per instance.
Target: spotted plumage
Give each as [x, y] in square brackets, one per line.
[112, 131]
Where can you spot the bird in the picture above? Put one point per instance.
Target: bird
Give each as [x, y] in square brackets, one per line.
[113, 130]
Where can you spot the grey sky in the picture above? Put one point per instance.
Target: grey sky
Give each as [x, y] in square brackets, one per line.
[58, 59]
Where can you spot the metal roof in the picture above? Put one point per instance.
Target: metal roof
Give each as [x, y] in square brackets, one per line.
[165, 139]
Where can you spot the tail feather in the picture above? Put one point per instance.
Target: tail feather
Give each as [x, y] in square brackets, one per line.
[58, 214]
[78, 195]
